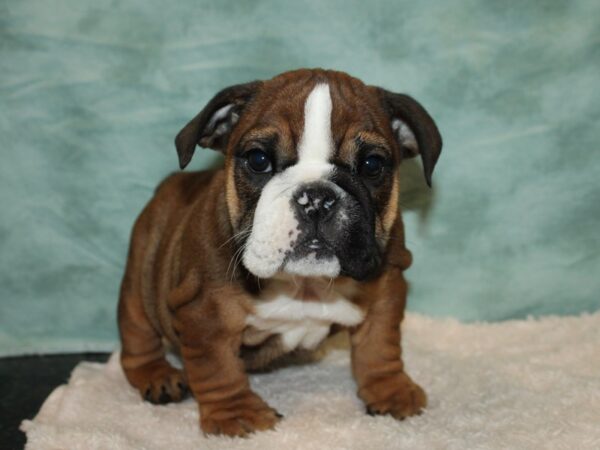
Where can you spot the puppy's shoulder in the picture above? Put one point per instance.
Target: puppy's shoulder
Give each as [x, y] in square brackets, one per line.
[184, 187]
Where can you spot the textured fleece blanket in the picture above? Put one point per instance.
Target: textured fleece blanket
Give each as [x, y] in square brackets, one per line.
[517, 384]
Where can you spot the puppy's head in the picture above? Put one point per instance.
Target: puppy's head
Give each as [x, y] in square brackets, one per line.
[311, 159]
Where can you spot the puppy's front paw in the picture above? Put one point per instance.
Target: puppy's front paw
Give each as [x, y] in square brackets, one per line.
[397, 396]
[239, 417]
[158, 382]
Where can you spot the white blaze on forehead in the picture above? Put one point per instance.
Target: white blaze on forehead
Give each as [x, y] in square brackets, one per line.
[316, 143]
[275, 227]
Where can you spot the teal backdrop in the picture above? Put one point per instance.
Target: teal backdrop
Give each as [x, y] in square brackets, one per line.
[93, 93]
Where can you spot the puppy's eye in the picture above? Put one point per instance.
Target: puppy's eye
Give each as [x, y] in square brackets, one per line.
[372, 166]
[259, 161]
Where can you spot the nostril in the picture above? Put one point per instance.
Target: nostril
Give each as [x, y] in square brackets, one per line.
[327, 204]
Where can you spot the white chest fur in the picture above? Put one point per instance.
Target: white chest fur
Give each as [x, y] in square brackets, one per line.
[301, 311]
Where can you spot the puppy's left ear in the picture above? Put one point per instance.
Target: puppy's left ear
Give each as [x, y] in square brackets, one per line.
[212, 126]
[413, 127]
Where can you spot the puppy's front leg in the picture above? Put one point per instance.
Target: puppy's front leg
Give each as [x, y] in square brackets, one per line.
[376, 353]
[210, 328]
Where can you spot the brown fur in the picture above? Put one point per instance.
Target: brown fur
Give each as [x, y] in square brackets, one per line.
[182, 282]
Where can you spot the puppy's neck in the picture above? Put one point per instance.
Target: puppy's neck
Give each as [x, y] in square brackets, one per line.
[308, 288]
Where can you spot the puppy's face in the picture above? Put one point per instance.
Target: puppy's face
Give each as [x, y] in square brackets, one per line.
[312, 173]
[312, 185]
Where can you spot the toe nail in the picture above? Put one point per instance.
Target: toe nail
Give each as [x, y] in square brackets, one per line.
[164, 396]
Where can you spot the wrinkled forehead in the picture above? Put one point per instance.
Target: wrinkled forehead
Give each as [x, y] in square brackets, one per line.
[330, 111]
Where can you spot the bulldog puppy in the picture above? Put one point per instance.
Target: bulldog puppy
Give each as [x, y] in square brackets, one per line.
[297, 235]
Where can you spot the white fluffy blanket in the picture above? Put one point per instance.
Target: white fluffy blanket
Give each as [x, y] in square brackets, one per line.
[519, 384]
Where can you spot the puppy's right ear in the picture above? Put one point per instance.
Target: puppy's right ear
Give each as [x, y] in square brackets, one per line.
[212, 126]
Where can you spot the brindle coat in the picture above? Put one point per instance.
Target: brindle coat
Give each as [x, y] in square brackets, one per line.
[182, 283]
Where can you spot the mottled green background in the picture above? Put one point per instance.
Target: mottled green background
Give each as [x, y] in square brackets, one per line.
[92, 94]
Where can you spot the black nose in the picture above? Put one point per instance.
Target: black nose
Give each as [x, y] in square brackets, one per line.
[315, 201]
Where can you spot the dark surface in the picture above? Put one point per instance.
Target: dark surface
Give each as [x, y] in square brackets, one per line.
[25, 382]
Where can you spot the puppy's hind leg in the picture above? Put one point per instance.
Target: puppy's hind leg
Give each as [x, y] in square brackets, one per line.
[142, 351]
